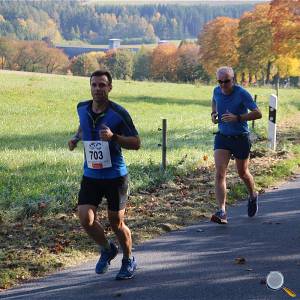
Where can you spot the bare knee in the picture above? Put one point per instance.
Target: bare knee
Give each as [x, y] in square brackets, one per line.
[86, 221]
[220, 176]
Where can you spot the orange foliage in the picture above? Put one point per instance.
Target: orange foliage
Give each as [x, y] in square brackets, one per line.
[218, 44]
[164, 62]
[255, 41]
[285, 16]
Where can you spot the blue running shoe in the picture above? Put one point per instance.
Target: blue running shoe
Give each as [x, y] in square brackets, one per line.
[105, 258]
[252, 206]
[127, 269]
[219, 217]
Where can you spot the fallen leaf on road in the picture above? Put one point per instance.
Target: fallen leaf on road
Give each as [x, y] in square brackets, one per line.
[240, 260]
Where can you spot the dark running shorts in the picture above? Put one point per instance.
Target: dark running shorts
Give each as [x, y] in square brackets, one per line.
[114, 190]
[239, 146]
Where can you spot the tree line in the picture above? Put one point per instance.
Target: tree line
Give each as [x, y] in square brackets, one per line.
[262, 46]
[96, 23]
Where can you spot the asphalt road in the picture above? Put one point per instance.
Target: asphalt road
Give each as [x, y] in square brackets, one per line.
[197, 262]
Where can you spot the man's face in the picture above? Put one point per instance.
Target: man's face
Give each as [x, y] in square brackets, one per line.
[100, 88]
[226, 83]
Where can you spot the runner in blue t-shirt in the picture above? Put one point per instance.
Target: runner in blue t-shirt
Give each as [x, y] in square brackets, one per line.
[104, 128]
[230, 110]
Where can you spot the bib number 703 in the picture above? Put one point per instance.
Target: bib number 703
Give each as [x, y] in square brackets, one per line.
[96, 154]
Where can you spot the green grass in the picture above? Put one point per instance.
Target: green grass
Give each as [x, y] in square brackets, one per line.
[38, 116]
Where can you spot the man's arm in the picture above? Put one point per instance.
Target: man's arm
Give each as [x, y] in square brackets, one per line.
[72, 143]
[252, 115]
[126, 142]
[214, 114]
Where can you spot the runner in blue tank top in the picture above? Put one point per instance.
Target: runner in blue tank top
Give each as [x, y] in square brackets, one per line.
[104, 128]
[230, 110]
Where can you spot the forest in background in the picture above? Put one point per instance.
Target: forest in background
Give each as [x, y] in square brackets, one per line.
[96, 23]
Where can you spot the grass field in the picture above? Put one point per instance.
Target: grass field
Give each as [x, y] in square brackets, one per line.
[38, 116]
[39, 181]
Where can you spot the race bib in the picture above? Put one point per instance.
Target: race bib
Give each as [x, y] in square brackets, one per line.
[97, 154]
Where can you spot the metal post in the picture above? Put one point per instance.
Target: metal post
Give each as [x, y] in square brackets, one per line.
[255, 99]
[164, 144]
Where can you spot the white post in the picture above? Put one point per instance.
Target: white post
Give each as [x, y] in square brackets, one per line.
[272, 122]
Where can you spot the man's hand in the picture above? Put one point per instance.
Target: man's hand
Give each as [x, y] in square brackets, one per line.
[214, 118]
[229, 117]
[72, 143]
[105, 133]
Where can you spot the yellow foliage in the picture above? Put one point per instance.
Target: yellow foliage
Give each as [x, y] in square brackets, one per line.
[218, 44]
[288, 66]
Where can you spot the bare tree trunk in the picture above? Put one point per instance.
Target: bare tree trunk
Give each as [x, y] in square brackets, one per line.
[268, 72]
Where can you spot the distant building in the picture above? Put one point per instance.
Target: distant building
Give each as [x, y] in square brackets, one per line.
[114, 43]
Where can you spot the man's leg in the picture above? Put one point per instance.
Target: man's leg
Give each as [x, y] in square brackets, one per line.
[242, 168]
[116, 219]
[123, 233]
[244, 173]
[222, 158]
[87, 217]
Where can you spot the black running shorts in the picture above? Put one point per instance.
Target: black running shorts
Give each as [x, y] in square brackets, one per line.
[114, 190]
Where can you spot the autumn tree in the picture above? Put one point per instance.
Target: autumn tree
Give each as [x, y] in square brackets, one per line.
[287, 66]
[142, 64]
[285, 18]
[30, 55]
[189, 68]
[164, 62]
[6, 52]
[55, 61]
[84, 65]
[255, 44]
[119, 63]
[218, 44]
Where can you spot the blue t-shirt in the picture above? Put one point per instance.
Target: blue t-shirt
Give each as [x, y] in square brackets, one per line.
[237, 103]
[119, 121]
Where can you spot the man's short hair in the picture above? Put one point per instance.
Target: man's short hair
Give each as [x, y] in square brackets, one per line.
[225, 70]
[99, 73]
